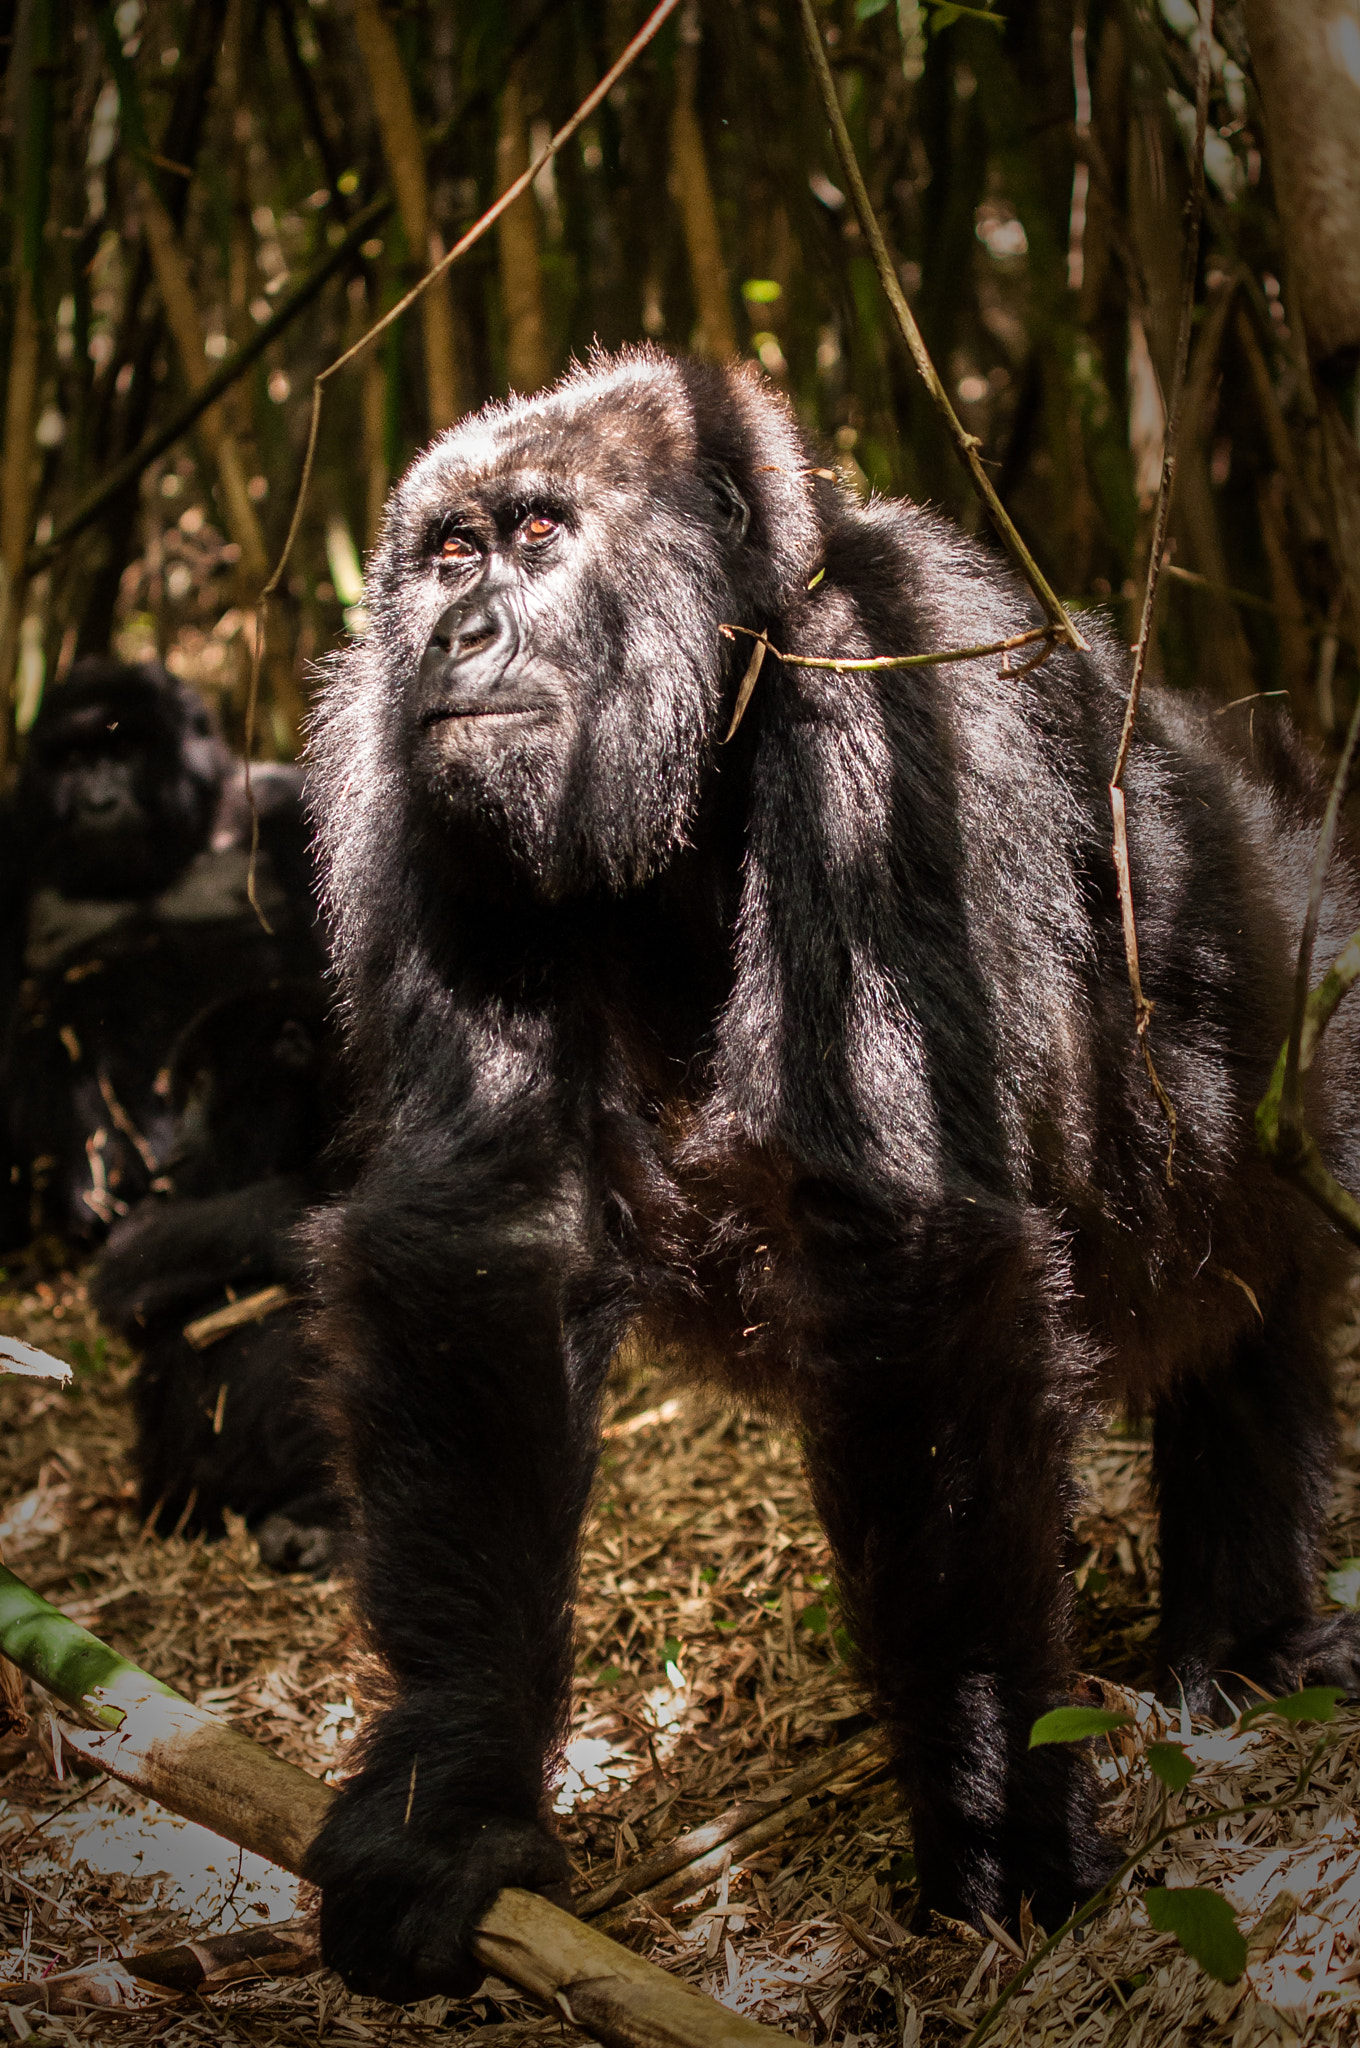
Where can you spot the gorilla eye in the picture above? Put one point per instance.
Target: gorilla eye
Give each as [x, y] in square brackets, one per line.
[538, 528]
[458, 548]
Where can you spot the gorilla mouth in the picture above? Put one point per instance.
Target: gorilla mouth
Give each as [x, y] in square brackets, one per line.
[450, 715]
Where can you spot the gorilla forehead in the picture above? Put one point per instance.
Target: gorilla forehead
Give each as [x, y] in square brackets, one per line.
[617, 431]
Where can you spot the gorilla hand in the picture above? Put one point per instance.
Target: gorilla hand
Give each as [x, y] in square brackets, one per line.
[400, 1901]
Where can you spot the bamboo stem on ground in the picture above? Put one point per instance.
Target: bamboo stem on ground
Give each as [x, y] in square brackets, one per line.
[849, 1760]
[149, 1737]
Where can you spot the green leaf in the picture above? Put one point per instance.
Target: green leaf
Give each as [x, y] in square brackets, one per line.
[1343, 1585]
[1074, 1724]
[726, 1626]
[1205, 1926]
[865, 10]
[902, 1869]
[670, 1651]
[845, 1644]
[814, 1618]
[762, 291]
[1170, 1763]
[1314, 1703]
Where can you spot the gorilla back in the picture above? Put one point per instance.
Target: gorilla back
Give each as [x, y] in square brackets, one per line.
[813, 1050]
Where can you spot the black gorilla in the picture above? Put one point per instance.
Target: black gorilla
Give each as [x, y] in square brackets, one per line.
[815, 1048]
[254, 1093]
[127, 910]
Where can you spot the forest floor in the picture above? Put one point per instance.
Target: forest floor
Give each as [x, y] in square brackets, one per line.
[709, 1669]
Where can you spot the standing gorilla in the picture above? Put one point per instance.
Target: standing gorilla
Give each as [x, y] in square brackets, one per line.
[125, 911]
[814, 1049]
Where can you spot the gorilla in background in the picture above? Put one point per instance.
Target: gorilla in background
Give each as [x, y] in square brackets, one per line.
[254, 1093]
[126, 911]
[812, 1046]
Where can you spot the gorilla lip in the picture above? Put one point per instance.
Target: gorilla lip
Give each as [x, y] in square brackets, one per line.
[448, 715]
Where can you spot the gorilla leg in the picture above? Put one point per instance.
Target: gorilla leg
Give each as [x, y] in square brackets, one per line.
[1243, 1462]
[938, 1447]
[466, 1388]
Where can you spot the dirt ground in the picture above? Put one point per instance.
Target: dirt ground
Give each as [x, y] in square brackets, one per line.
[710, 1665]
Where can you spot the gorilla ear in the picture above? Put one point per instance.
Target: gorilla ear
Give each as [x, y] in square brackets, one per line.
[731, 504]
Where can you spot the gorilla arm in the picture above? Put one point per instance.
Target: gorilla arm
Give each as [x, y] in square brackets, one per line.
[466, 1397]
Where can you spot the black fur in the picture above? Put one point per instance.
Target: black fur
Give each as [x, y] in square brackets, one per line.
[130, 912]
[815, 1050]
[253, 1089]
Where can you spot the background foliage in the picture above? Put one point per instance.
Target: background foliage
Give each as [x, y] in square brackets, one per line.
[174, 169]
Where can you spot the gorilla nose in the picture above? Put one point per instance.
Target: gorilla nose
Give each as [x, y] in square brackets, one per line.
[468, 655]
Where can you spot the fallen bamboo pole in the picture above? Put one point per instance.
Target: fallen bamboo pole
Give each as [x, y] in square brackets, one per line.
[144, 1733]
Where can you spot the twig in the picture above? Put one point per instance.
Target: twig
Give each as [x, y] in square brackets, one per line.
[1098, 1902]
[966, 443]
[1194, 211]
[251, 1308]
[848, 1759]
[888, 661]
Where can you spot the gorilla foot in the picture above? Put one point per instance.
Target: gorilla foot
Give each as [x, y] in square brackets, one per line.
[1322, 1649]
[288, 1546]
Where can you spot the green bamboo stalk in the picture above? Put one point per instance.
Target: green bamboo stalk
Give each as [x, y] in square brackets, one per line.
[65, 1659]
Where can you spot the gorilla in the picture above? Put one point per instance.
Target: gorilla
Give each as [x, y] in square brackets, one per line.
[127, 909]
[808, 1048]
[226, 1425]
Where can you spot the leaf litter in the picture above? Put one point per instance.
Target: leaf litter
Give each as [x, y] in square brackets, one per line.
[711, 1664]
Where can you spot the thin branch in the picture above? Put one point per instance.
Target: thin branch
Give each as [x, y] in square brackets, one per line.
[887, 661]
[234, 366]
[966, 443]
[1194, 213]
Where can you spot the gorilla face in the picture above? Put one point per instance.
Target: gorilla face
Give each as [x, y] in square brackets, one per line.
[120, 781]
[547, 595]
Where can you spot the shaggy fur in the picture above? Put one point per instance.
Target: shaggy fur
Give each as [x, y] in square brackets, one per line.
[813, 1051]
[126, 910]
[253, 1089]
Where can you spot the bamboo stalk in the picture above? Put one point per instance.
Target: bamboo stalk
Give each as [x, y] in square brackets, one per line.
[405, 155]
[967, 444]
[181, 313]
[692, 189]
[528, 364]
[149, 1737]
[235, 365]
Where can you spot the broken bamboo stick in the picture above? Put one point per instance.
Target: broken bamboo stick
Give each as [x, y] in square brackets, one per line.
[151, 1738]
[689, 1853]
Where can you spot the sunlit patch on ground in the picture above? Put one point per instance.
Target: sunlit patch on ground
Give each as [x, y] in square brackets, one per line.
[711, 1662]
